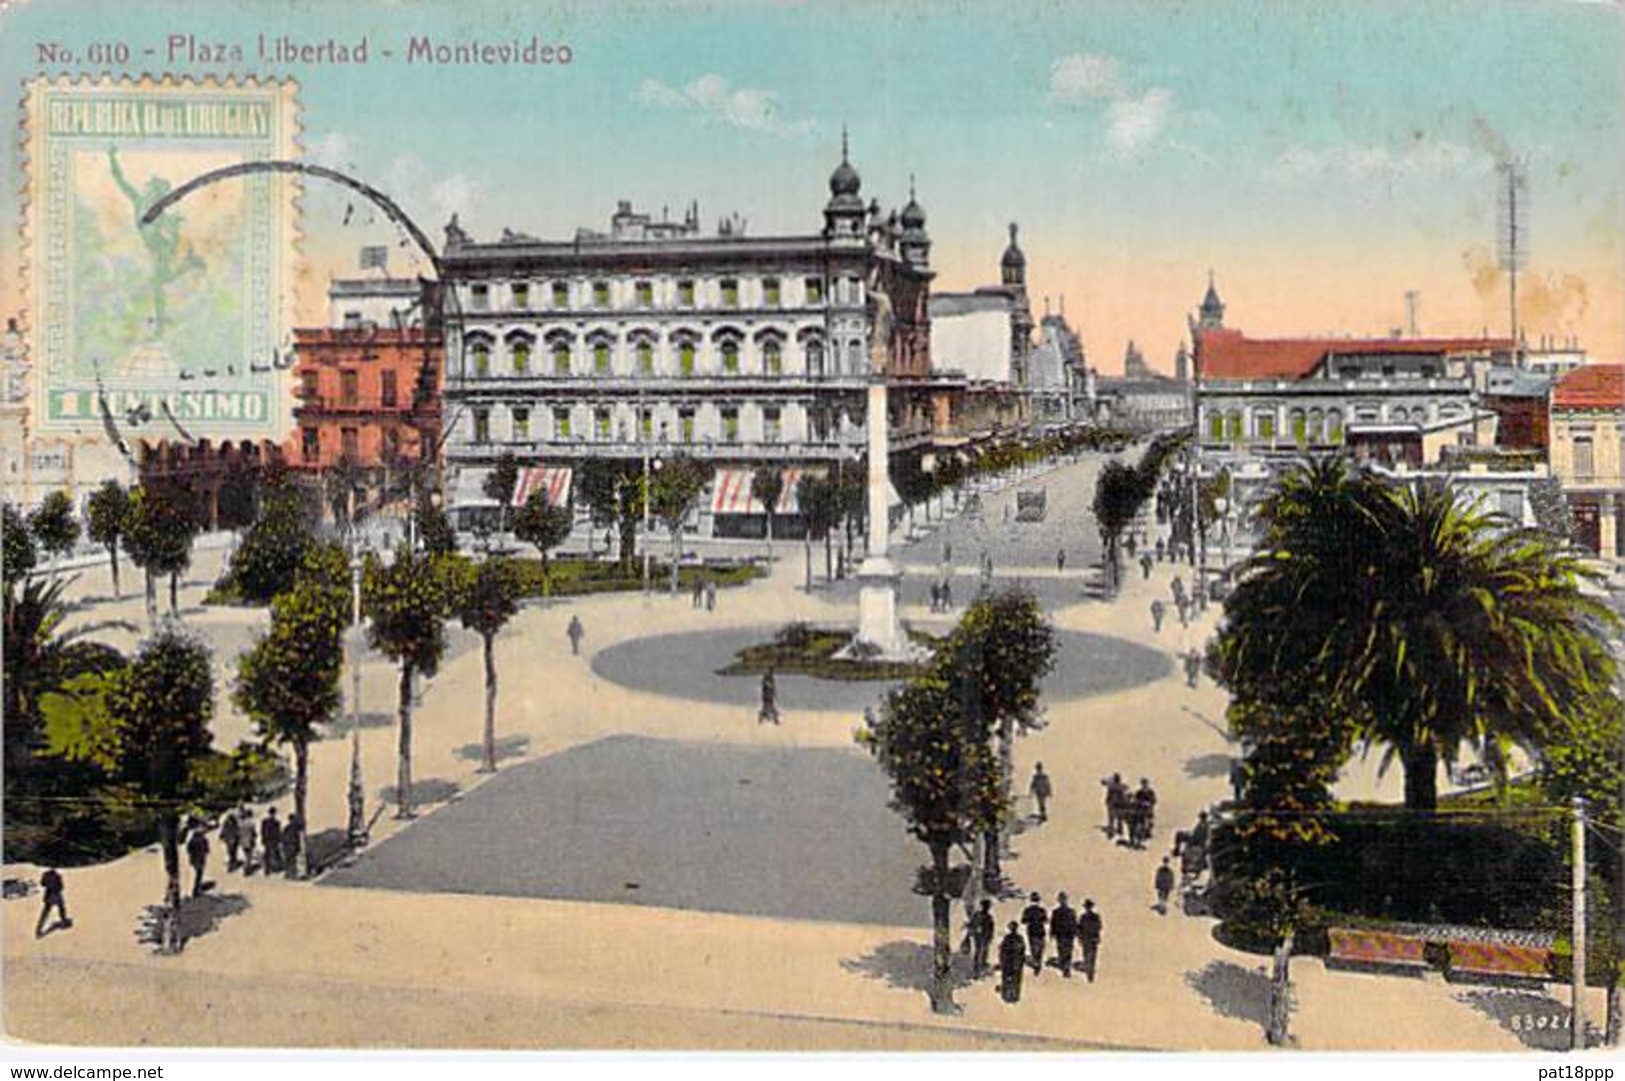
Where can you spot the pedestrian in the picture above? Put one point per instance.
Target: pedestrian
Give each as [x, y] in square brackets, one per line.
[769, 713]
[1012, 963]
[1199, 595]
[249, 836]
[1116, 791]
[1145, 811]
[1145, 566]
[1162, 549]
[1089, 928]
[1130, 546]
[231, 837]
[710, 595]
[1060, 561]
[293, 839]
[697, 596]
[1041, 791]
[197, 853]
[1177, 588]
[1193, 668]
[271, 841]
[1158, 610]
[1036, 920]
[936, 596]
[1063, 928]
[1165, 885]
[52, 886]
[1184, 608]
[947, 596]
[981, 931]
[575, 632]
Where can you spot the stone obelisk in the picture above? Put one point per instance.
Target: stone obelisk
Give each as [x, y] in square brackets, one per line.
[878, 628]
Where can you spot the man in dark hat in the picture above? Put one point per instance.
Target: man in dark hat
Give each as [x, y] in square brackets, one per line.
[293, 838]
[575, 632]
[231, 836]
[1116, 803]
[981, 931]
[1063, 927]
[52, 887]
[1041, 790]
[197, 853]
[1012, 960]
[1036, 920]
[271, 840]
[1145, 813]
[1164, 884]
[1089, 937]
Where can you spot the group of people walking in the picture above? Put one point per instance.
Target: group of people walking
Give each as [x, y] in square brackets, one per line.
[704, 592]
[1130, 813]
[270, 845]
[1068, 928]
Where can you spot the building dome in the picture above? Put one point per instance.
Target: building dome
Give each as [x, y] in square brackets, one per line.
[845, 179]
[1013, 257]
[913, 213]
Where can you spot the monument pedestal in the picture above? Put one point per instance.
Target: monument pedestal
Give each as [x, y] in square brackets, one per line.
[878, 625]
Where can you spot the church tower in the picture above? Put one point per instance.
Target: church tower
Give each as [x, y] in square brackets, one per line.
[845, 214]
[1013, 274]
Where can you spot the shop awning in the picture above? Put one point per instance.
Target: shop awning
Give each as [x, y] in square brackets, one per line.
[467, 490]
[730, 492]
[553, 480]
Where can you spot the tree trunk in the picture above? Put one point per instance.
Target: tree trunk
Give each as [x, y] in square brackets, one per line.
[174, 593]
[1611, 1035]
[112, 557]
[169, 940]
[676, 555]
[829, 557]
[301, 788]
[490, 765]
[769, 516]
[992, 872]
[152, 597]
[807, 551]
[1280, 1006]
[942, 957]
[403, 772]
[1421, 777]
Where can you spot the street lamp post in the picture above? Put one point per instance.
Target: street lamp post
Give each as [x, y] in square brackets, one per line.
[357, 796]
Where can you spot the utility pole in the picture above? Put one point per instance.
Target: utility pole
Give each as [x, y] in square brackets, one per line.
[1577, 1038]
[357, 794]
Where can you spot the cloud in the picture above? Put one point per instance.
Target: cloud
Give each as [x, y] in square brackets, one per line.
[1136, 118]
[333, 150]
[1085, 77]
[750, 108]
[1357, 163]
[446, 194]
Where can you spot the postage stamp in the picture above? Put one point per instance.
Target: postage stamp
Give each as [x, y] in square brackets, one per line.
[179, 316]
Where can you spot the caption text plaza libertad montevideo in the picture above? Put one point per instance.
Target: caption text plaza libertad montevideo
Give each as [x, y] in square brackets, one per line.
[198, 51]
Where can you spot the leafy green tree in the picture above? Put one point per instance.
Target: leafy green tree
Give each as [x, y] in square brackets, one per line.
[485, 596]
[109, 512]
[162, 704]
[159, 538]
[945, 784]
[267, 560]
[405, 601]
[766, 487]
[611, 488]
[674, 491]
[1000, 651]
[544, 527]
[1119, 495]
[1420, 621]
[288, 681]
[435, 535]
[821, 511]
[499, 484]
[18, 546]
[239, 497]
[54, 524]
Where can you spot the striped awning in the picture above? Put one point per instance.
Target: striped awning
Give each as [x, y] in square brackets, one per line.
[554, 480]
[732, 492]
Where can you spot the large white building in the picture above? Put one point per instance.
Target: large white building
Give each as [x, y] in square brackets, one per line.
[658, 338]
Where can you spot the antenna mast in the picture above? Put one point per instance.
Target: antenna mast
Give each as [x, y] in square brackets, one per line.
[1512, 239]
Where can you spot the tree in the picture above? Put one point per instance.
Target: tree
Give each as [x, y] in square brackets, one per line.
[1118, 498]
[288, 681]
[109, 512]
[610, 488]
[346, 487]
[821, 513]
[485, 596]
[240, 493]
[1000, 651]
[405, 602]
[18, 545]
[54, 525]
[269, 557]
[1420, 621]
[159, 538]
[544, 527]
[673, 493]
[436, 536]
[945, 784]
[499, 484]
[766, 486]
[161, 706]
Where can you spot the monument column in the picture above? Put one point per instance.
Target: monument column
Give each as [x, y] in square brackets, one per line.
[878, 628]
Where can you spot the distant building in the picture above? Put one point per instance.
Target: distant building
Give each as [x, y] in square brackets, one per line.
[1587, 423]
[1056, 373]
[1520, 400]
[1141, 397]
[986, 335]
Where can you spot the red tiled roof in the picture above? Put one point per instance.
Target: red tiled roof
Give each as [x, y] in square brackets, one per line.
[1594, 386]
[1223, 353]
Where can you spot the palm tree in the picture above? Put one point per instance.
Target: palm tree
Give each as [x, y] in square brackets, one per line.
[1424, 621]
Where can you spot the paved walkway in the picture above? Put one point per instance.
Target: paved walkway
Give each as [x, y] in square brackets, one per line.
[279, 962]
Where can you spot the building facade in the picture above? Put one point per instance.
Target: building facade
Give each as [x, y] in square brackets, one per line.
[656, 338]
[1587, 425]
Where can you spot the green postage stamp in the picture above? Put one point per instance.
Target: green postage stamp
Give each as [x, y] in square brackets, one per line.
[179, 318]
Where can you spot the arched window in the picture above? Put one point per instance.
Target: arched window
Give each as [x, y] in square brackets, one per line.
[559, 347]
[687, 347]
[772, 347]
[1215, 426]
[727, 342]
[1317, 426]
[599, 346]
[1300, 427]
[1334, 425]
[519, 346]
[479, 354]
[643, 353]
[1232, 425]
[812, 345]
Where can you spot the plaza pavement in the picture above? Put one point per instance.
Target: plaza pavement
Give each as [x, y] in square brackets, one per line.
[298, 964]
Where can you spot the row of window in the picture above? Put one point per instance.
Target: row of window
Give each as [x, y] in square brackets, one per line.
[642, 425]
[1312, 426]
[728, 355]
[350, 387]
[604, 293]
[349, 443]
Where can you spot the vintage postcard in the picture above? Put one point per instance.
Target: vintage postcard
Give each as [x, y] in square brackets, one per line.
[718, 525]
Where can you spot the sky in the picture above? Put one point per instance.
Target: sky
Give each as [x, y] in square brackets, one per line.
[1321, 159]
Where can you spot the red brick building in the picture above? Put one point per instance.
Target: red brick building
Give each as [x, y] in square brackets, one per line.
[368, 395]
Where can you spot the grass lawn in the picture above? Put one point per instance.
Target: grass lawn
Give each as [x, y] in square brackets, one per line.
[803, 649]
